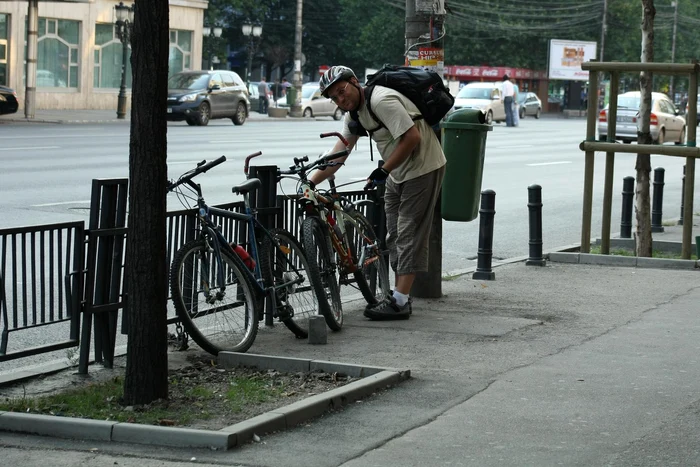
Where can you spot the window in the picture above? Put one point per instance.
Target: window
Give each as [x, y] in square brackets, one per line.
[216, 81]
[57, 60]
[108, 58]
[4, 22]
[180, 51]
[228, 80]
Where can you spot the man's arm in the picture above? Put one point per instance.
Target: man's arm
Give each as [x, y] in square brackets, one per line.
[321, 175]
[407, 143]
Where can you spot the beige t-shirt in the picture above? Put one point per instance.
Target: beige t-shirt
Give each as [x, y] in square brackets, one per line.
[396, 111]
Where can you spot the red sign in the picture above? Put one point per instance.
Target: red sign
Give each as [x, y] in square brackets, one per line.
[322, 69]
[491, 73]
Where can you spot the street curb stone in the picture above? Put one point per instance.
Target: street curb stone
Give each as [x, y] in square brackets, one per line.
[666, 263]
[607, 260]
[170, 436]
[51, 425]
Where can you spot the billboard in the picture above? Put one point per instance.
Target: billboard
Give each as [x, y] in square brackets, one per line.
[566, 57]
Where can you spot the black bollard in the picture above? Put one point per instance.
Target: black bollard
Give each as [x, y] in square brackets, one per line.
[485, 252]
[658, 200]
[627, 204]
[534, 205]
[680, 221]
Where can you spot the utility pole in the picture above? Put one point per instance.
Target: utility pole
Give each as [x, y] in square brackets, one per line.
[296, 106]
[593, 93]
[424, 39]
[673, 48]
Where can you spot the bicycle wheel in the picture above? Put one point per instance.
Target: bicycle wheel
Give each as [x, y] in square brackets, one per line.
[282, 262]
[372, 276]
[323, 272]
[218, 318]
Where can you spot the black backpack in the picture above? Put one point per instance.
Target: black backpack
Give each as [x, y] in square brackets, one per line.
[422, 87]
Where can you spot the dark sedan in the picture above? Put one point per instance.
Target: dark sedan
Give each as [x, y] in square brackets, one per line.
[8, 101]
[199, 96]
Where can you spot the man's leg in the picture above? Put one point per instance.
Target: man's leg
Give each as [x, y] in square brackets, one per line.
[508, 107]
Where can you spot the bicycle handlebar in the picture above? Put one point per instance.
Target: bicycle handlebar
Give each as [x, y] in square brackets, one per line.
[247, 160]
[300, 168]
[335, 133]
[202, 167]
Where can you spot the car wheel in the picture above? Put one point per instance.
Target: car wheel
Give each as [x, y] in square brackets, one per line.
[681, 140]
[661, 139]
[308, 113]
[489, 118]
[240, 116]
[627, 141]
[191, 122]
[602, 138]
[338, 114]
[539, 111]
[204, 114]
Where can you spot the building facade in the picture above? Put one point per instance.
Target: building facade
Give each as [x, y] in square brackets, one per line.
[79, 62]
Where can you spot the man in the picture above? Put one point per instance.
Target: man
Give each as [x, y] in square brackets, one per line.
[264, 101]
[414, 165]
[507, 95]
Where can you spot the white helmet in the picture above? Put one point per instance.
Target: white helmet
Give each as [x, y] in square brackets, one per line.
[333, 74]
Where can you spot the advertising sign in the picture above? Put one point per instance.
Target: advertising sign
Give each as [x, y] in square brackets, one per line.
[428, 58]
[566, 57]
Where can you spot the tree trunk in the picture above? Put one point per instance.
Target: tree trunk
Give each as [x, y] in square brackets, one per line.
[643, 165]
[146, 269]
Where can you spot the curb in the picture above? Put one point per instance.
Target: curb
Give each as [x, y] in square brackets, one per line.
[282, 418]
[61, 121]
[628, 261]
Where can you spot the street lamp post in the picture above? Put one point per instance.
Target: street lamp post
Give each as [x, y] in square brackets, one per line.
[125, 19]
[214, 32]
[252, 32]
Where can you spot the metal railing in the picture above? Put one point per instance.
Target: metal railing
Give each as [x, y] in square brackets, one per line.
[590, 146]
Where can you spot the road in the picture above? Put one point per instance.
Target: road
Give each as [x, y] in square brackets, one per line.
[47, 171]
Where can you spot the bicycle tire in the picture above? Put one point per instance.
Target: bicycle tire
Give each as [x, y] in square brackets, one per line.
[323, 271]
[226, 326]
[372, 278]
[275, 268]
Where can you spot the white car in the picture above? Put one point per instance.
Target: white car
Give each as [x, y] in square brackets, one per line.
[483, 96]
[313, 104]
[665, 122]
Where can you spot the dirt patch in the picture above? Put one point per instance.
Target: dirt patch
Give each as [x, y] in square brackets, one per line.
[202, 394]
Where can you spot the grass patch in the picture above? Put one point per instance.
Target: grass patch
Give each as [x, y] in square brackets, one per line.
[595, 249]
[450, 277]
[101, 401]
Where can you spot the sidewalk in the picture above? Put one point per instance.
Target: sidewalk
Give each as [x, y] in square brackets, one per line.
[566, 364]
[96, 116]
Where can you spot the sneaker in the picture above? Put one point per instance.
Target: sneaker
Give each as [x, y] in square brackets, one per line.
[388, 309]
[410, 301]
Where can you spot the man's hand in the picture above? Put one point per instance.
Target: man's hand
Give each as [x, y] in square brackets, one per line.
[377, 177]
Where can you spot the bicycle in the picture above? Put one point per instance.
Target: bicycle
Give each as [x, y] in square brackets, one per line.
[218, 297]
[338, 241]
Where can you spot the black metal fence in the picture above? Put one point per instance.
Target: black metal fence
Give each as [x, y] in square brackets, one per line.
[51, 274]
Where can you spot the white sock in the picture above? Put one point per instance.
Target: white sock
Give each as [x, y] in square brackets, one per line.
[400, 298]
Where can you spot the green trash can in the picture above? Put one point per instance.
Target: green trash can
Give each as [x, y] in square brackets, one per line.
[291, 95]
[464, 144]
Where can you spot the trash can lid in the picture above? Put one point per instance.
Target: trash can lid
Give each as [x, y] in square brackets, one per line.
[466, 116]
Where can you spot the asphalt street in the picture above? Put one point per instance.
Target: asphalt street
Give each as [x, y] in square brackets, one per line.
[47, 171]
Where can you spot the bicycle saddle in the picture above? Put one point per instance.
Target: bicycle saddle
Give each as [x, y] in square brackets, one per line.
[247, 186]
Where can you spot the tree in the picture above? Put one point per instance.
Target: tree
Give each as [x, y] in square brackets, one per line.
[643, 164]
[146, 269]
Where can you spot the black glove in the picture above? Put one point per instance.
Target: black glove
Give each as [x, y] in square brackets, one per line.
[377, 177]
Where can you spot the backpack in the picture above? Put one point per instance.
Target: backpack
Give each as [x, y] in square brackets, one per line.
[424, 88]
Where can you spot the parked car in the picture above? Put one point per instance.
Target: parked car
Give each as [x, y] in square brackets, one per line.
[8, 101]
[198, 96]
[665, 122]
[697, 115]
[313, 104]
[529, 104]
[254, 95]
[483, 96]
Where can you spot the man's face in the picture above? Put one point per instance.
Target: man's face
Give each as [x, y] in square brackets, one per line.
[344, 94]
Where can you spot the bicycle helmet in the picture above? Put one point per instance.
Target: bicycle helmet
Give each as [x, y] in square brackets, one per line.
[333, 74]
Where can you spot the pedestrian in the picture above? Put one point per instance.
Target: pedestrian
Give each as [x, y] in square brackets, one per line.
[507, 95]
[516, 106]
[414, 165]
[264, 99]
[285, 84]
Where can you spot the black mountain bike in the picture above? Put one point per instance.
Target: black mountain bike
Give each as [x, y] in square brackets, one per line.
[220, 298]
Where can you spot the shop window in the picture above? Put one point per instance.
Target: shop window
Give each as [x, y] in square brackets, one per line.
[108, 58]
[4, 21]
[57, 55]
[180, 51]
